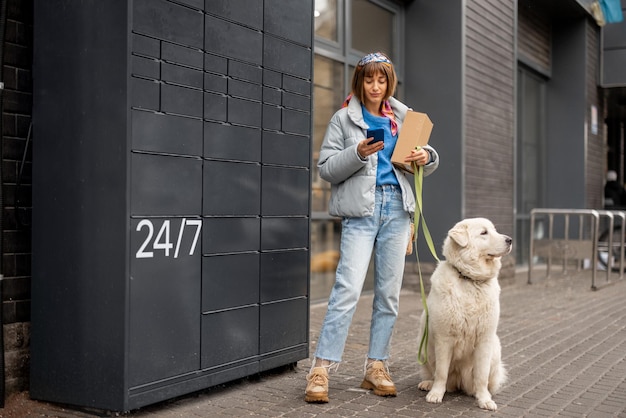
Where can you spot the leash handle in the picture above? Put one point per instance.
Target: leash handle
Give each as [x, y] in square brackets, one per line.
[418, 176]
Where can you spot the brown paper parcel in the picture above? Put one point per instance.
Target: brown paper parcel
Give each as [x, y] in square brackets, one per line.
[415, 131]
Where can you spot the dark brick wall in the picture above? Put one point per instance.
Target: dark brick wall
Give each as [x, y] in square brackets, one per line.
[596, 152]
[490, 111]
[534, 42]
[16, 191]
[16, 182]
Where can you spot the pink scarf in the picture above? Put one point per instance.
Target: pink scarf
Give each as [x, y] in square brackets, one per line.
[385, 110]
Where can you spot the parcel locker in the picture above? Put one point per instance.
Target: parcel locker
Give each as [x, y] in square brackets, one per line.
[171, 196]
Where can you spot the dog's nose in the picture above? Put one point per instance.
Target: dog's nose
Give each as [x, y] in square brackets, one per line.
[509, 240]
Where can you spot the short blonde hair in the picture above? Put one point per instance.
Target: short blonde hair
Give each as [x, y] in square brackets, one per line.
[369, 70]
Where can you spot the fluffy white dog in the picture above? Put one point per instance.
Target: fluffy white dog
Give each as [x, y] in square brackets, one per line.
[464, 308]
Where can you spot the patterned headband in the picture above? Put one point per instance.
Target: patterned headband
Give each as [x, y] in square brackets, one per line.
[374, 57]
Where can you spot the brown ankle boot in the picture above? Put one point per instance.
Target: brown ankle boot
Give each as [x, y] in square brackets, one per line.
[317, 385]
[377, 378]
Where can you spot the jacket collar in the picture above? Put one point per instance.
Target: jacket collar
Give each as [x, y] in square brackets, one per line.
[355, 112]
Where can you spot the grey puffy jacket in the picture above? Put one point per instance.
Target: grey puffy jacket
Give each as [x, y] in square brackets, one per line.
[353, 181]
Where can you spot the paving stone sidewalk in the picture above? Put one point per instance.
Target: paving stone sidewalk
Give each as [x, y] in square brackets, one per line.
[564, 346]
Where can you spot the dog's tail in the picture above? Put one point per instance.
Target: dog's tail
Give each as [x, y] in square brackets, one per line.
[497, 378]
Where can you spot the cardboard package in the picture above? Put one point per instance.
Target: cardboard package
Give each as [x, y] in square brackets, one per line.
[415, 131]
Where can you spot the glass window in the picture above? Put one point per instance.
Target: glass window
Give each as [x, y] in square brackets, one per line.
[530, 165]
[328, 94]
[372, 28]
[326, 19]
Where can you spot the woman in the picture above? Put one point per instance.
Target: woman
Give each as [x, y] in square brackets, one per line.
[376, 204]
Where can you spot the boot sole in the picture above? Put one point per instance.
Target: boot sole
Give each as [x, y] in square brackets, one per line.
[366, 384]
[321, 398]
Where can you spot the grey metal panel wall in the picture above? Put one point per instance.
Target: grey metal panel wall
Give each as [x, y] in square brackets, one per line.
[567, 111]
[490, 111]
[200, 182]
[434, 85]
[79, 286]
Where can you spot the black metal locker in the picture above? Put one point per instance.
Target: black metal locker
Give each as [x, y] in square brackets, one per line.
[171, 196]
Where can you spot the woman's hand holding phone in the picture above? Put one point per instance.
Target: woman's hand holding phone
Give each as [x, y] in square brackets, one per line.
[376, 135]
[374, 142]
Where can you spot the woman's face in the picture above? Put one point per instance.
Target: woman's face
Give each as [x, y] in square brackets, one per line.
[375, 89]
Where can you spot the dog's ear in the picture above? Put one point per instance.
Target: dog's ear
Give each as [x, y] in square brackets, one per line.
[460, 235]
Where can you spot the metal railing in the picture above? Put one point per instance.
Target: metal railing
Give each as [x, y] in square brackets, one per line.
[561, 246]
[576, 240]
[610, 244]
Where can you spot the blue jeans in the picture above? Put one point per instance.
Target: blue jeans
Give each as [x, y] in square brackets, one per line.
[387, 232]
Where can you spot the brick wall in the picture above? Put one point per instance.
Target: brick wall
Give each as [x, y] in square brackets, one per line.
[16, 191]
[490, 108]
[596, 147]
[534, 40]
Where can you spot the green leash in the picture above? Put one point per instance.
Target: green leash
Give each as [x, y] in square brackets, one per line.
[418, 176]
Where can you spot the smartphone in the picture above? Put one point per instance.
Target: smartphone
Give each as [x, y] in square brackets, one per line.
[377, 134]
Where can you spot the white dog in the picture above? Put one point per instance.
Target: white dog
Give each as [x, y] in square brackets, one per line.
[464, 308]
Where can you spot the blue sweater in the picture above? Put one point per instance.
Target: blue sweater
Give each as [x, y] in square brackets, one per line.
[384, 172]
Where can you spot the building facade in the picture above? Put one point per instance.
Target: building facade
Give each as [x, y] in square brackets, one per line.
[522, 118]
[527, 99]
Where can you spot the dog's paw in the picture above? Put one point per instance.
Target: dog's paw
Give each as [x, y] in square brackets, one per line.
[434, 397]
[425, 385]
[488, 404]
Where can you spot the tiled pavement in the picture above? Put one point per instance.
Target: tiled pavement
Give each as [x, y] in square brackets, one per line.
[564, 346]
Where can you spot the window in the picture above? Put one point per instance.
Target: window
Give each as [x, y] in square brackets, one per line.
[345, 30]
[328, 93]
[365, 17]
[326, 17]
[529, 150]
